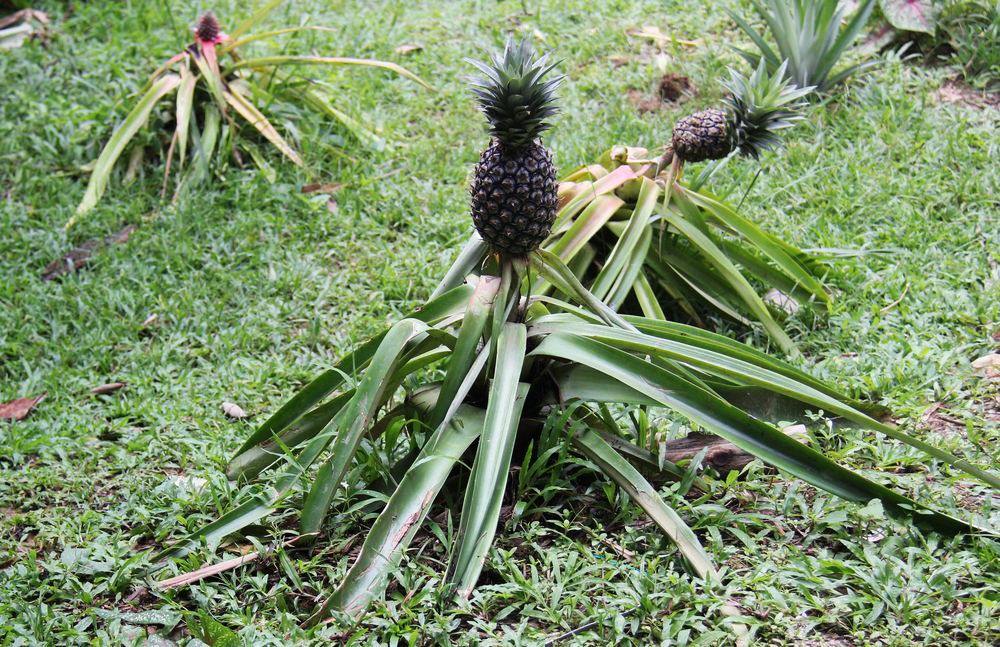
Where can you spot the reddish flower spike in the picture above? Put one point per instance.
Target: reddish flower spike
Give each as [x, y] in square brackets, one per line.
[208, 30]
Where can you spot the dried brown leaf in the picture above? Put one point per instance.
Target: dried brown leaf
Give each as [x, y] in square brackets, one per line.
[19, 409]
[78, 257]
[407, 48]
[110, 387]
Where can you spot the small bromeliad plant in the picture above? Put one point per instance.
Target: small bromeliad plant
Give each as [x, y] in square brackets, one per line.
[810, 35]
[215, 87]
[644, 242]
[509, 358]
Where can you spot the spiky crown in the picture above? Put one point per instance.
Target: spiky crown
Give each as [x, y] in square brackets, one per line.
[760, 106]
[513, 96]
[208, 29]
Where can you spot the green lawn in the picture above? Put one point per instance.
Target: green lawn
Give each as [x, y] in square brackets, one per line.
[257, 286]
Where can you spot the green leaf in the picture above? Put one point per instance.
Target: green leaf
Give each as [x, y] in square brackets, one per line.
[212, 632]
[484, 493]
[469, 336]
[123, 134]
[355, 418]
[185, 102]
[719, 417]
[732, 275]
[766, 243]
[436, 309]
[257, 119]
[647, 498]
[747, 373]
[273, 61]
[469, 259]
[407, 507]
[622, 254]
[254, 19]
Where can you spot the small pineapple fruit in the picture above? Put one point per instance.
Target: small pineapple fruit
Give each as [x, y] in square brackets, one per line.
[755, 110]
[514, 190]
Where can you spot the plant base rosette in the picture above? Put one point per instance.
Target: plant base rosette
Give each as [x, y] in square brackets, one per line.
[509, 361]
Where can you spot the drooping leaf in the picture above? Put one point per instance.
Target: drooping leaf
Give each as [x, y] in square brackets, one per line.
[119, 140]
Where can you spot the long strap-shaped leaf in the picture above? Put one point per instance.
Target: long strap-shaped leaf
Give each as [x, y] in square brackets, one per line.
[470, 258]
[747, 373]
[622, 254]
[464, 355]
[407, 507]
[767, 244]
[484, 493]
[437, 309]
[719, 417]
[647, 498]
[257, 119]
[272, 61]
[717, 258]
[119, 140]
[380, 380]
[346, 427]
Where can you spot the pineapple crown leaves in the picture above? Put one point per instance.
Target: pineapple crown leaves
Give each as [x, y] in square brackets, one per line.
[761, 105]
[513, 95]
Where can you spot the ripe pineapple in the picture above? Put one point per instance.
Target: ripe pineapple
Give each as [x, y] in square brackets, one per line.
[756, 108]
[514, 189]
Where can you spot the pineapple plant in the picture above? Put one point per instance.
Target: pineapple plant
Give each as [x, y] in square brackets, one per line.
[214, 85]
[756, 109]
[511, 359]
[646, 242]
[514, 190]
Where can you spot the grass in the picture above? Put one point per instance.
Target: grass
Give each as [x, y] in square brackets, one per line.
[258, 286]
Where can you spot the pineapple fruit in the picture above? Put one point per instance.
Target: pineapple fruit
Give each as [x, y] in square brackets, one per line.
[756, 109]
[514, 188]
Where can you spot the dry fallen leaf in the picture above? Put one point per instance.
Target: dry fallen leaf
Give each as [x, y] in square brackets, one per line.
[233, 410]
[18, 409]
[110, 387]
[77, 258]
[322, 188]
[988, 365]
[149, 321]
[409, 47]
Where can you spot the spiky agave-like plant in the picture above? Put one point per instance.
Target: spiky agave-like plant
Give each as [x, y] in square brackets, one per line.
[510, 358]
[211, 89]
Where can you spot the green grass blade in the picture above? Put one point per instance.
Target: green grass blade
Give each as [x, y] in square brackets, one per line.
[719, 417]
[123, 134]
[481, 507]
[407, 507]
[647, 498]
